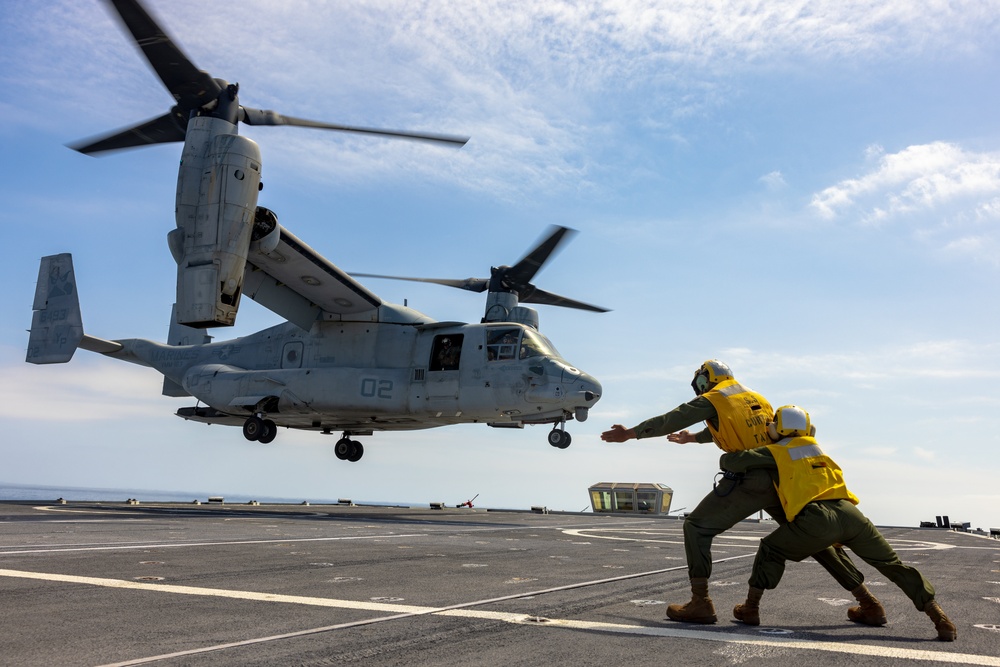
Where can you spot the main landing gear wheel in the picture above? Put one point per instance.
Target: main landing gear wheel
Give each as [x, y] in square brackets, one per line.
[260, 430]
[559, 438]
[268, 432]
[348, 450]
[252, 428]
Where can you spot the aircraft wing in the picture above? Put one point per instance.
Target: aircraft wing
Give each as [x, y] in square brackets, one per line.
[296, 282]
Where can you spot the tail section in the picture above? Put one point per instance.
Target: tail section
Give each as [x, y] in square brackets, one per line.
[181, 334]
[56, 325]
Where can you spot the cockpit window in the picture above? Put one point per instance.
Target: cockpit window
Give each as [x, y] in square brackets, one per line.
[533, 345]
[501, 344]
[505, 344]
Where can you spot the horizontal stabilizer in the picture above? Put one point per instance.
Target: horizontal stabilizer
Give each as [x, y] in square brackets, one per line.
[56, 325]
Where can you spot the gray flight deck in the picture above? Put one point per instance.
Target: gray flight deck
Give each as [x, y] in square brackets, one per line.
[87, 583]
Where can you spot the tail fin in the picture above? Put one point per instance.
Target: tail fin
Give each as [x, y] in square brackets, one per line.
[181, 334]
[56, 325]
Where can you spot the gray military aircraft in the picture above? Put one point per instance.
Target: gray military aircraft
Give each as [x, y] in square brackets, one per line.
[345, 360]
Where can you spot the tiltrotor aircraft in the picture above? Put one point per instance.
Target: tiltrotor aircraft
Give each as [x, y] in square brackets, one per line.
[345, 360]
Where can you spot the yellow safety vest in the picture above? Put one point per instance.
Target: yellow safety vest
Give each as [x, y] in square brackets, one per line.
[806, 474]
[743, 416]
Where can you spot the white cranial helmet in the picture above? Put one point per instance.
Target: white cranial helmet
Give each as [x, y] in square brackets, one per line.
[790, 421]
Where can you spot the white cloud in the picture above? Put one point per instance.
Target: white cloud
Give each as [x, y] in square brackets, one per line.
[938, 359]
[917, 179]
[534, 84]
[774, 181]
[948, 195]
[87, 389]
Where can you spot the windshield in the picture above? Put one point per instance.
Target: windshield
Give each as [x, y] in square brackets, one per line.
[507, 343]
[534, 344]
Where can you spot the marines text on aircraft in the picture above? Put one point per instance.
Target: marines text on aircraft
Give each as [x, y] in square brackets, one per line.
[345, 360]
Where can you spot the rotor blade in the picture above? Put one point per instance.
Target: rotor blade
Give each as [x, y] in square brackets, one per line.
[160, 130]
[470, 284]
[191, 87]
[547, 298]
[263, 117]
[522, 272]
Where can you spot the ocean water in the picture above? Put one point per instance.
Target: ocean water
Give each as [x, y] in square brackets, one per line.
[52, 493]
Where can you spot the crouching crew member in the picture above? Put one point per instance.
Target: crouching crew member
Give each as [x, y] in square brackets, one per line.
[820, 512]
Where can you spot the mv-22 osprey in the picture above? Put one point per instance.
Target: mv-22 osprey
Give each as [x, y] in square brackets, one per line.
[345, 361]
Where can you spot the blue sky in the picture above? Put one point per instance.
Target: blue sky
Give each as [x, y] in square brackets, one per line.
[807, 191]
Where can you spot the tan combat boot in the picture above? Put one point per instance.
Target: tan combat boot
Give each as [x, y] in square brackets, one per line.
[870, 611]
[749, 611]
[947, 632]
[699, 609]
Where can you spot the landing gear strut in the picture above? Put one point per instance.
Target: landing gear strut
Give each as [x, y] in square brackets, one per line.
[257, 428]
[558, 437]
[348, 450]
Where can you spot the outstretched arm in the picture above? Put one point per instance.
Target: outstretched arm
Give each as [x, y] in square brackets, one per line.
[669, 424]
[618, 433]
[681, 417]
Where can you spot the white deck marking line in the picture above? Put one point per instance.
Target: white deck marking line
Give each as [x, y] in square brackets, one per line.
[778, 642]
[207, 544]
[214, 592]
[47, 508]
[463, 610]
[592, 533]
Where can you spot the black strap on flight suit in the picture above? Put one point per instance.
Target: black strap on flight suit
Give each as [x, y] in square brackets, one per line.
[735, 479]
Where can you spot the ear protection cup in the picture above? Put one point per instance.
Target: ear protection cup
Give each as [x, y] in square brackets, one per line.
[700, 383]
[772, 430]
[812, 431]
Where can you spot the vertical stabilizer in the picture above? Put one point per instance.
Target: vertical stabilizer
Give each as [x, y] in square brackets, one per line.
[56, 325]
[181, 334]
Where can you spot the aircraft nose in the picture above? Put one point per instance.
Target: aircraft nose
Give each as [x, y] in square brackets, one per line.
[590, 392]
[578, 384]
[591, 388]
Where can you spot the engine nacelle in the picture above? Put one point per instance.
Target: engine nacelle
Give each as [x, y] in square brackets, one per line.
[266, 231]
[217, 191]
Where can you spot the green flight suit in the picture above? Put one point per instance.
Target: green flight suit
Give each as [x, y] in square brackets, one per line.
[819, 524]
[733, 501]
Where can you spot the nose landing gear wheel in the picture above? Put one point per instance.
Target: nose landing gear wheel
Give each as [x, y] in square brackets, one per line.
[560, 439]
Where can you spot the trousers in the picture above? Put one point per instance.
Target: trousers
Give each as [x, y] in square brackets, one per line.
[822, 523]
[731, 502]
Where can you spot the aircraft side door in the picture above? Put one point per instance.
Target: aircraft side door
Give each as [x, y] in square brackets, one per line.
[443, 371]
[481, 375]
[504, 367]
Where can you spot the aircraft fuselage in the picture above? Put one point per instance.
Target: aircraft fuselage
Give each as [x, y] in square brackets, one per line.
[363, 376]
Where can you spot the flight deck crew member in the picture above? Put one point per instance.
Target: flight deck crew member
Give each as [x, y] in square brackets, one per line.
[820, 512]
[736, 420]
